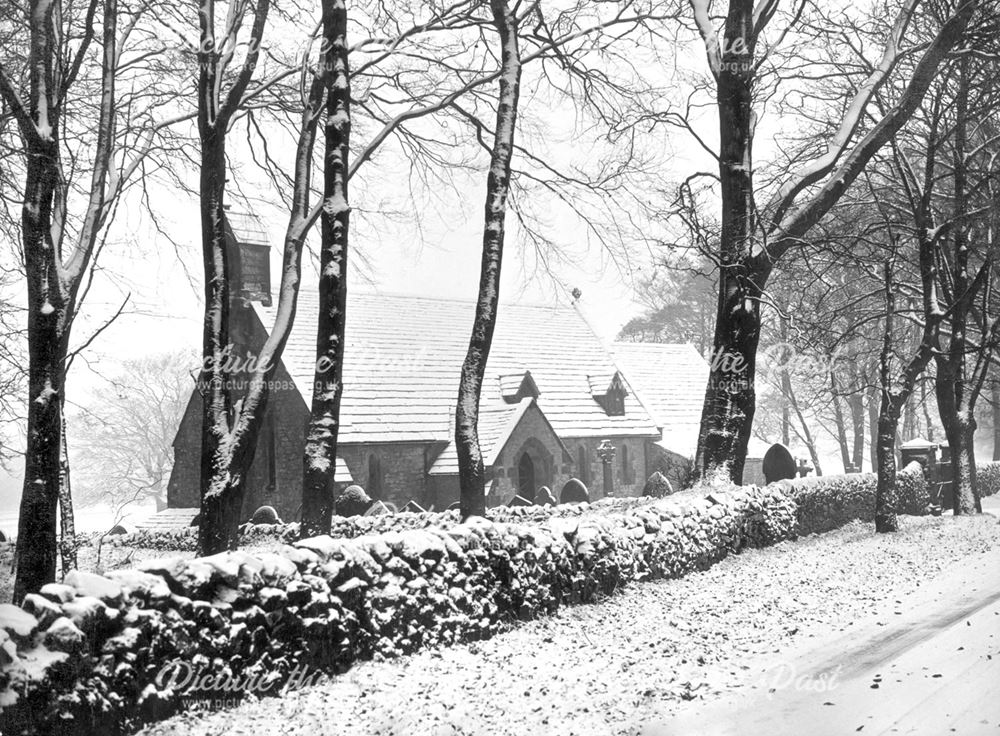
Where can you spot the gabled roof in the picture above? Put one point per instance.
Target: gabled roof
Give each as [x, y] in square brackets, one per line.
[671, 379]
[496, 425]
[516, 386]
[404, 354]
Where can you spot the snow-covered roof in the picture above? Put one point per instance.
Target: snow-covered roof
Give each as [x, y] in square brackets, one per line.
[404, 355]
[671, 380]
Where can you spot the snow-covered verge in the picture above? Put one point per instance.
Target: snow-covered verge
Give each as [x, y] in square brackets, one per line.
[90, 653]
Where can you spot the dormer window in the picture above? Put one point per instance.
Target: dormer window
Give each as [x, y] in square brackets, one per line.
[516, 386]
[609, 392]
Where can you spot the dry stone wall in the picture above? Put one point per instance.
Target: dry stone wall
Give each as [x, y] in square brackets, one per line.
[103, 654]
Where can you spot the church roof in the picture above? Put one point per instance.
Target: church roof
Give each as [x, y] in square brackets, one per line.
[404, 355]
[671, 379]
[497, 423]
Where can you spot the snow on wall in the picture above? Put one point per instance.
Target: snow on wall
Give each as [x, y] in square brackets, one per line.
[92, 651]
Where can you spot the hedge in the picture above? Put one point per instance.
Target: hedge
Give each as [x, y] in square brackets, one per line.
[87, 656]
[988, 479]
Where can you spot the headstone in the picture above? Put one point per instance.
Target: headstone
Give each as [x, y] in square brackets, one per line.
[378, 509]
[574, 492]
[657, 486]
[778, 464]
[519, 501]
[352, 502]
[265, 515]
[414, 507]
[544, 497]
[457, 506]
[114, 531]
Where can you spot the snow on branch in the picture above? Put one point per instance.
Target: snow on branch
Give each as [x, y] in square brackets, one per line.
[816, 169]
[703, 20]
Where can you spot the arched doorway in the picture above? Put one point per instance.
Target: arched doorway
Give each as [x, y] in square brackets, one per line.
[526, 476]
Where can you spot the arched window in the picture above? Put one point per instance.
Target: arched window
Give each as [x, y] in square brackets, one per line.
[626, 466]
[583, 465]
[374, 487]
[526, 477]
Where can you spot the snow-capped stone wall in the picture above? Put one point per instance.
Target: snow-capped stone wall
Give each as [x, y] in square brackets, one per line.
[831, 501]
[102, 654]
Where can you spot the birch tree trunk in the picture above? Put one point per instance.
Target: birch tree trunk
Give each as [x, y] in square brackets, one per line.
[471, 473]
[67, 522]
[320, 458]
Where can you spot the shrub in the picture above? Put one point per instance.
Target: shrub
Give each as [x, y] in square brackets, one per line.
[352, 502]
[988, 479]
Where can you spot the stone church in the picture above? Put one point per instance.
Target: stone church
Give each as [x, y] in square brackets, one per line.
[553, 392]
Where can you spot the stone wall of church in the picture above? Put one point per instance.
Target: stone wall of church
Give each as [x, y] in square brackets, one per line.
[628, 467]
[391, 472]
[533, 437]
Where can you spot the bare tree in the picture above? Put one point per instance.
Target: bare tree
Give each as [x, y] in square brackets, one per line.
[324, 419]
[471, 473]
[54, 270]
[123, 452]
[753, 239]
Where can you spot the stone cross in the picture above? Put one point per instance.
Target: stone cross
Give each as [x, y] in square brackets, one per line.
[606, 454]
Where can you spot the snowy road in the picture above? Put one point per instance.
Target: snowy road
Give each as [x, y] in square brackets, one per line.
[933, 668]
[697, 648]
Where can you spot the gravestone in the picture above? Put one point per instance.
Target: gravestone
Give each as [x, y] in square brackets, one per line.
[544, 497]
[519, 501]
[414, 507]
[574, 492]
[265, 515]
[657, 486]
[778, 464]
[379, 509]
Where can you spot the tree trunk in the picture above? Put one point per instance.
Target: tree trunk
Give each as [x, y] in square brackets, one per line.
[730, 398]
[995, 399]
[471, 473]
[886, 504]
[955, 397]
[873, 413]
[67, 524]
[221, 490]
[36, 530]
[856, 404]
[838, 418]
[52, 281]
[965, 494]
[925, 406]
[320, 457]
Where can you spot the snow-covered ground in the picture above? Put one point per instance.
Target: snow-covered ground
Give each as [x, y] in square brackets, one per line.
[649, 653]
